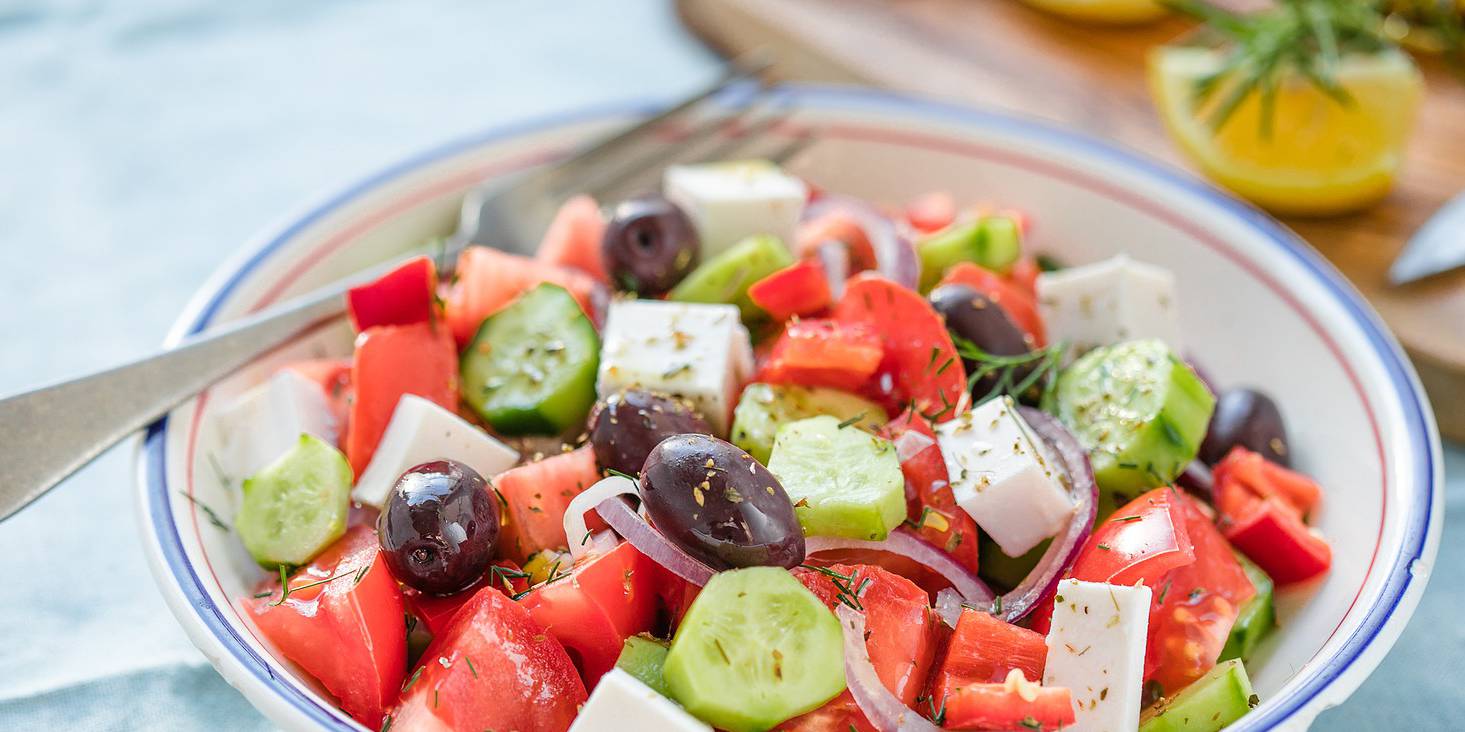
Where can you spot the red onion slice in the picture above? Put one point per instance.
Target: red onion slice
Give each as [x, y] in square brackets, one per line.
[972, 590]
[894, 255]
[834, 258]
[651, 542]
[948, 606]
[912, 443]
[1042, 582]
[1198, 481]
[884, 709]
[576, 534]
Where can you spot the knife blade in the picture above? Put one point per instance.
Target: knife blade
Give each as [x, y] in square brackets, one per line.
[1438, 246]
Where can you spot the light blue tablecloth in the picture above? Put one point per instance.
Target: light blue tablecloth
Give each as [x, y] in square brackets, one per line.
[140, 142]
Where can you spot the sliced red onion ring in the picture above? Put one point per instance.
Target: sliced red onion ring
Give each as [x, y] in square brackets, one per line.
[911, 443]
[576, 533]
[1198, 481]
[1042, 582]
[834, 258]
[894, 255]
[884, 709]
[651, 542]
[948, 606]
[972, 590]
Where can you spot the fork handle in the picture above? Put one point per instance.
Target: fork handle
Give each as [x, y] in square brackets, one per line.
[50, 433]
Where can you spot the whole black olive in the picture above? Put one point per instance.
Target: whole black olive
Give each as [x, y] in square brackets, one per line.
[1248, 418]
[972, 316]
[628, 424]
[719, 504]
[649, 245]
[438, 527]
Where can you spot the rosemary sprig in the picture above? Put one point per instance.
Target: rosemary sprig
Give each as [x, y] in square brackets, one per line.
[1012, 375]
[1306, 37]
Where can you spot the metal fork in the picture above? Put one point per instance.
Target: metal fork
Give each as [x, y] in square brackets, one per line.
[49, 433]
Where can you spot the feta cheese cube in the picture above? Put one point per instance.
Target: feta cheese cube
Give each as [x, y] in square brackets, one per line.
[1109, 302]
[621, 702]
[1096, 649]
[695, 351]
[421, 431]
[1004, 476]
[729, 202]
[266, 422]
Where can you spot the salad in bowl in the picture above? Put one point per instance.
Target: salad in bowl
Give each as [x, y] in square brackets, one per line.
[746, 454]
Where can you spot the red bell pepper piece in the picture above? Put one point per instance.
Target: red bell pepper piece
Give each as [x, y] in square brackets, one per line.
[1244, 474]
[798, 289]
[985, 650]
[824, 353]
[403, 296]
[931, 212]
[1274, 537]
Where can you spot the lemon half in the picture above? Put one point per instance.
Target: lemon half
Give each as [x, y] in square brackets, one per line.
[1321, 156]
[1103, 11]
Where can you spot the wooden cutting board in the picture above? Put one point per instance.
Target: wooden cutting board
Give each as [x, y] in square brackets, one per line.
[1000, 53]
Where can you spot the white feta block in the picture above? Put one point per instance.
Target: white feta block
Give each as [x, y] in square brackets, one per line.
[1003, 475]
[695, 351]
[421, 431]
[729, 202]
[621, 702]
[266, 422]
[1109, 302]
[1096, 649]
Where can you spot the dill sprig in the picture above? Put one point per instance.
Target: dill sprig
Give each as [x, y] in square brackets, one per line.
[1015, 376]
[847, 592]
[1306, 37]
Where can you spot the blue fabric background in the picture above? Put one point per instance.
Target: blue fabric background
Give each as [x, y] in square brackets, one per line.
[141, 141]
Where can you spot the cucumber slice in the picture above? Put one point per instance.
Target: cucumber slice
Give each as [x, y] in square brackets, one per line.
[1257, 617]
[765, 408]
[726, 277]
[843, 481]
[1208, 704]
[756, 648]
[531, 367]
[994, 242]
[643, 657]
[1002, 572]
[296, 506]
[1140, 411]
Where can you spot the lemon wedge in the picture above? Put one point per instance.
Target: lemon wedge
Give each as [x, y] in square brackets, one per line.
[1103, 11]
[1321, 157]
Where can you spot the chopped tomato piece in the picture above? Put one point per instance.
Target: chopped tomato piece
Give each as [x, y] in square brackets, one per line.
[840, 227]
[801, 288]
[985, 650]
[487, 279]
[899, 623]
[1024, 274]
[574, 237]
[534, 498]
[932, 212]
[1192, 617]
[392, 360]
[932, 507]
[1004, 707]
[1271, 535]
[1014, 300]
[823, 353]
[839, 714]
[342, 623]
[602, 601]
[334, 377]
[437, 611]
[494, 668]
[920, 364]
[403, 296]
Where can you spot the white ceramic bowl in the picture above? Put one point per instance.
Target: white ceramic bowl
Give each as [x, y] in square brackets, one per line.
[1258, 306]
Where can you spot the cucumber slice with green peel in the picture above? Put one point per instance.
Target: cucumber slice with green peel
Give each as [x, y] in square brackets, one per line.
[843, 481]
[530, 369]
[726, 277]
[1002, 572]
[993, 242]
[1139, 410]
[1208, 704]
[765, 408]
[296, 506]
[755, 648]
[643, 657]
[1256, 618]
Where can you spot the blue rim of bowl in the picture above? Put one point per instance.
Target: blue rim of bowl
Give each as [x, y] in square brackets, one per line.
[1383, 603]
